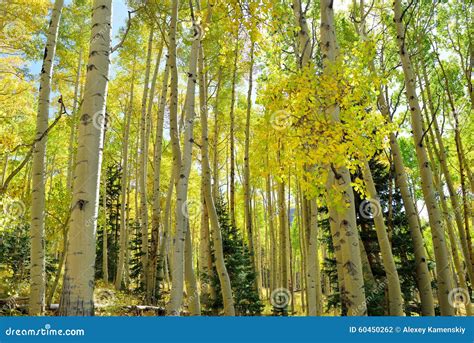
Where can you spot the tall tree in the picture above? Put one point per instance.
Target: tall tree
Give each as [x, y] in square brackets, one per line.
[78, 284]
[37, 270]
[339, 182]
[184, 167]
[436, 225]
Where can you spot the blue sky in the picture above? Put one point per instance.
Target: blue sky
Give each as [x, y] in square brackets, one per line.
[119, 19]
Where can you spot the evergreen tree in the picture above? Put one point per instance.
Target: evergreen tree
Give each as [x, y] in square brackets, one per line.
[239, 266]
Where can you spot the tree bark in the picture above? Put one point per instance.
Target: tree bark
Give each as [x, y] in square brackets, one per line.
[182, 215]
[339, 182]
[78, 283]
[222, 273]
[37, 269]
[437, 232]
[232, 133]
[393, 281]
[156, 215]
[124, 188]
[143, 164]
[72, 135]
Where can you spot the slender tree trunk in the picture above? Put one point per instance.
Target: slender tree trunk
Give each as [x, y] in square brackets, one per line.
[222, 273]
[437, 232]
[78, 283]
[304, 40]
[123, 189]
[423, 278]
[143, 163]
[205, 258]
[313, 278]
[37, 269]
[182, 216]
[393, 282]
[215, 188]
[105, 258]
[447, 218]
[271, 228]
[72, 135]
[453, 197]
[232, 133]
[340, 184]
[283, 225]
[191, 281]
[156, 216]
[247, 195]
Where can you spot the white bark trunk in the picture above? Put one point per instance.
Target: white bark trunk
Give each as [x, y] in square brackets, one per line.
[340, 182]
[394, 291]
[37, 263]
[182, 216]
[124, 189]
[222, 273]
[437, 230]
[78, 283]
[156, 215]
[143, 163]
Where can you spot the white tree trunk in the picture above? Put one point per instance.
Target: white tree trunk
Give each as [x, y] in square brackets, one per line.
[394, 291]
[143, 163]
[72, 134]
[182, 215]
[340, 183]
[37, 263]
[437, 230]
[156, 215]
[222, 273]
[78, 283]
[124, 188]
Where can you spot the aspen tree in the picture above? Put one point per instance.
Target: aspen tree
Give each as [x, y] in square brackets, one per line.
[184, 163]
[143, 163]
[37, 269]
[393, 281]
[78, 283]
[339, 182]
[247, 195]
[232, 133]
[437, 230]
[222, 273]
[72, 135]
[124, 187]
[156, 215]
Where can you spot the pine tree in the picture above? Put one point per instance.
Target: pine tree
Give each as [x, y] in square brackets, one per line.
[239, 266]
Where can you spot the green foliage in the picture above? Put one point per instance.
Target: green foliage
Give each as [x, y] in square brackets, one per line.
[239, 266]
[111, 222]
[14, 259]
